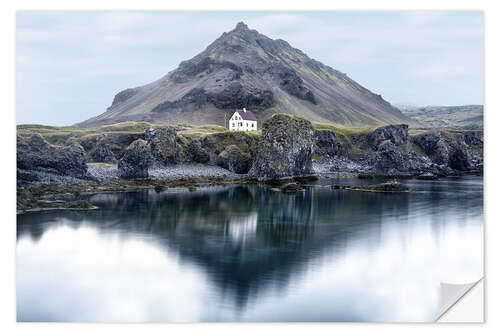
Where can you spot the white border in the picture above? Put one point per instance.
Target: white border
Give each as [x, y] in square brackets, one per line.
[492, 121]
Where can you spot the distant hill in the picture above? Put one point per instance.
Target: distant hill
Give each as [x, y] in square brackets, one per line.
[244, 68]
[456, 117]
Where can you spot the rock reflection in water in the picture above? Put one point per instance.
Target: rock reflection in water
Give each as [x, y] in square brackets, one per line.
[249, 253]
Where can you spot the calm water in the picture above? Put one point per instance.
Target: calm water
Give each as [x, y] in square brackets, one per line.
[248, 253]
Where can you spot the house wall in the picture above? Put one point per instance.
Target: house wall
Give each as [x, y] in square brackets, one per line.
[238, 124]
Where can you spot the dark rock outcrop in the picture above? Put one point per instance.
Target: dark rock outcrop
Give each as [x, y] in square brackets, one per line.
[136, 161]
[163, 144]
[294, 85]
[196, 153]
[123, 96]
[393, 159]
[117, 143]
[326, 143]
[396, 134]
[292, 188]
[234, 160]
[102, 151]
[285, 148]
[473, 138]
[216, 143]
[36, 154]
[446, 148]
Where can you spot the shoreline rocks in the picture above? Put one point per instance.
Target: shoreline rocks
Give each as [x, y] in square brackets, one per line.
[390, 187]
[289, 146]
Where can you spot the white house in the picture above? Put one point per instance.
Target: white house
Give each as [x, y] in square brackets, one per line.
[243, 120]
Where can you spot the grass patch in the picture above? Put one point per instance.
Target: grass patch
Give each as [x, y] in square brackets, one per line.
[417, 149]
[200, 131]
[317, 157]
[346, 131]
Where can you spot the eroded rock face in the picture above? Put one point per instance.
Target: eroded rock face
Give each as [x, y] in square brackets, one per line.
[448, 149]
[136, 161]
[393, 159]
[234, 160]
[285, 148]
[117, 143]
[163, 144]
[326, 143]
[396, 134]
[473, 138]
[216, 143]
[196, 153]
[102, 152]
[36, 154]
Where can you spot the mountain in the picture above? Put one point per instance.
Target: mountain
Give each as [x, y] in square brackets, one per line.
[244, 68]
[456, 117]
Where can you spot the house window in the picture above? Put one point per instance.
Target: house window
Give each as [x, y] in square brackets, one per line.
[233, 124]
[247, 124]
[252, 124]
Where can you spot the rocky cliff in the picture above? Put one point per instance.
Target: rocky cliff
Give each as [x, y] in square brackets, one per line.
[287, 146]
[244, 68]
[37, 159]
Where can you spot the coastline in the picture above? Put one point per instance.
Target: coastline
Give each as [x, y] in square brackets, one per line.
[59, 194]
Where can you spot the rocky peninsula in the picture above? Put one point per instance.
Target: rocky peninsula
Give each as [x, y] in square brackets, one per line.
[56, 166]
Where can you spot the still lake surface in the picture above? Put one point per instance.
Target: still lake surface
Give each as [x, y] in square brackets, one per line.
[248, 253]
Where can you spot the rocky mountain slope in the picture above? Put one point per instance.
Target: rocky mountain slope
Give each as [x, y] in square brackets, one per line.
[244, 68]
[456, 117]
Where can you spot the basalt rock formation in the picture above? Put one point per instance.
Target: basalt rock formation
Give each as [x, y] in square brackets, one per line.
[136, 161]
[285, 148]
[288, 146]
[243, 68]
[35, 156]
[234, 160]
[102, 151]
[163, 144]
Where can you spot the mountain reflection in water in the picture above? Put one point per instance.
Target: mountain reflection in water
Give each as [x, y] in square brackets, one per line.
[248, 253]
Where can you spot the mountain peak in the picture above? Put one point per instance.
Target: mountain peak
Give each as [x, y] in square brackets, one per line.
[244, 68]
[241, 26]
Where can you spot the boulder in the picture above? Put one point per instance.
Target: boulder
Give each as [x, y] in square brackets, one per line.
[36, 154]
[135, 161]
[285, 148]
[234, 160]
[163, 144]
[292, 188]
[427, 176]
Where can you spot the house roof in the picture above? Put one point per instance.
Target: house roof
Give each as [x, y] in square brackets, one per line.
[246, 115]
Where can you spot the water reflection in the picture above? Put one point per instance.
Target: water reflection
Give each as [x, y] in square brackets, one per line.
[249, 253]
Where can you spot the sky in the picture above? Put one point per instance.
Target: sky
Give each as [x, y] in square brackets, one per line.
[70, 64]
